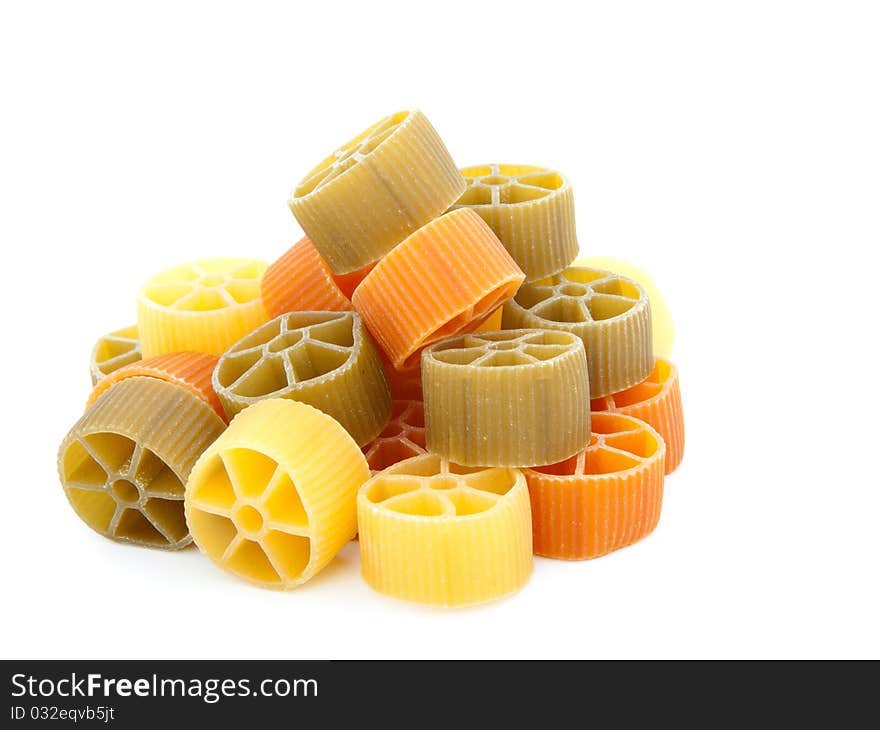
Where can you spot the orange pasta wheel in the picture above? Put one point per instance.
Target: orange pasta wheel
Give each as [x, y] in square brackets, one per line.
[602, 499]
[657, 401]
[190, 370]
[402, 438]
[492, 322]
[301, 281]
[444, 279]
[347, 283]
[404, 384]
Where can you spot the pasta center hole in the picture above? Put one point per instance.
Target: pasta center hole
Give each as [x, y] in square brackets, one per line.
[125, 491]
[573, 290]
[444, 483]
[212, 280]
[494, 180]
[249, 519]
[504, 345]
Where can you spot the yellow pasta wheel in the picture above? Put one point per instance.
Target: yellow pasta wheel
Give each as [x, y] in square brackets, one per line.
[203, 306]
[662, 325]
[437, 533]
[325, 359]
[113, 351]
[379, 187]
[610, 313]
[274, 498]
[509, 398]
[124, 463]
[531, 209]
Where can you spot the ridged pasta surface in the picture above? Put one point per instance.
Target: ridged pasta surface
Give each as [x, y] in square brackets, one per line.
[124, 464]
[366, 197]
[203, 306]
[437, 533]
[610, 313]
[602, 499]
[506, 398]
[274, 498]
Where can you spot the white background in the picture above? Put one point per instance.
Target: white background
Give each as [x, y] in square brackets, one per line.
[731, 149]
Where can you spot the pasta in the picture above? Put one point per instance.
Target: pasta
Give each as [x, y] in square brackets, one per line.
[301, 281]
[124, 463]
[347, 283]
[202, 306]
[430, 368]
[274, 498]
[446, 278]
[113, 351]
[610, 313]
[325, 359]
[190, 370]
[604, 498]
[369, 195]
[402, 438]
[436, 533]
[531, 210]
[662, 325]
[404, 384]
[509, 398]
[492, 322]
[657, 401]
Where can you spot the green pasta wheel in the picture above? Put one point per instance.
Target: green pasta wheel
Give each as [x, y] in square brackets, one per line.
[510, 398]
[531, 210]
[610, 313]
[124, 464]
[365, 198]
[113, 351]
[325, 359]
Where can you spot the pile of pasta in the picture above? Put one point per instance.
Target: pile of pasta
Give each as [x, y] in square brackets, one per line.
[429, 369]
